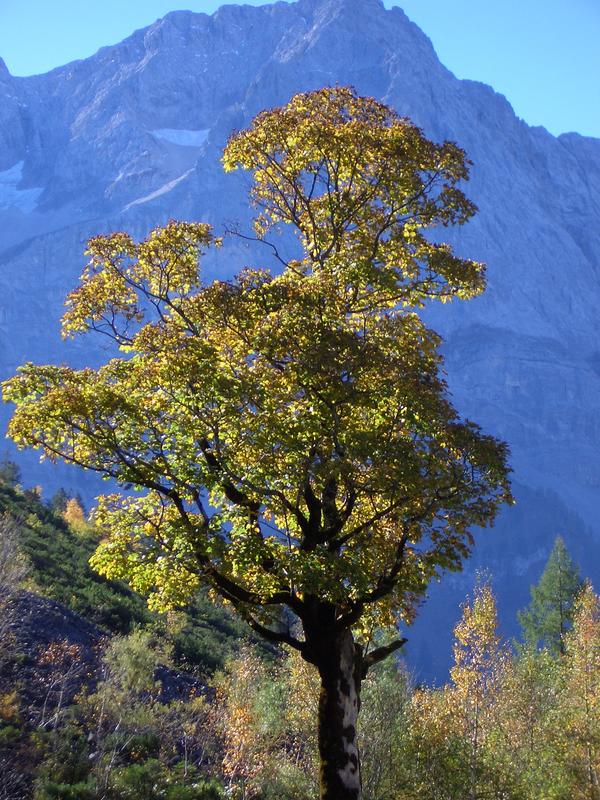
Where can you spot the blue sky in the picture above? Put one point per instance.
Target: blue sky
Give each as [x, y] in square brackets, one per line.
[544, 55]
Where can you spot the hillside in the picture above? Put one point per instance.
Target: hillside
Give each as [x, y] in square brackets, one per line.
[203, 636]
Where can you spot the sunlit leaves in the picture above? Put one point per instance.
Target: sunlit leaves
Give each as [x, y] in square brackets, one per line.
[288, 437]
[148, 547]
[163, 268]
[360, 184]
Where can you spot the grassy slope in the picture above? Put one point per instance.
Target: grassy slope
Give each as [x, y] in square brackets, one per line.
[60, 570]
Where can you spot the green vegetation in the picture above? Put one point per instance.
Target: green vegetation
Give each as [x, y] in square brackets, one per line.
[292, 450]
[58, 557]
[507, 726]
[550, 612]
[46, 743]
[119, 740]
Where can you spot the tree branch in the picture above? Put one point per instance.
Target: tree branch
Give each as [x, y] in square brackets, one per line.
[380, 653]
[278, 637]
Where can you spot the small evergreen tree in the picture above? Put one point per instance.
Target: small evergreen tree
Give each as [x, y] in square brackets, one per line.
[59, 501]
[550, 613]
[10, 472]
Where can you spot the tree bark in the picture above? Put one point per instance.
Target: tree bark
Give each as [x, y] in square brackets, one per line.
[340, 669]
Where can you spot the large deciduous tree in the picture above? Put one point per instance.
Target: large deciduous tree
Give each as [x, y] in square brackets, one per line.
[290, 435]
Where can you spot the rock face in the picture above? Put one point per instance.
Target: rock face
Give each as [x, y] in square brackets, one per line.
[132, 137]
[59, 652]
[52, 654]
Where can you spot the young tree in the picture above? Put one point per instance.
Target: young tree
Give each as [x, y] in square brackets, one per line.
[549, 615]
[243, 747]
[530, 724]
[580, 699]
[13, 570]
[384, 732]
[74, 515]
[13, 564]
[59, 501]
[292, 434]
[477, 675]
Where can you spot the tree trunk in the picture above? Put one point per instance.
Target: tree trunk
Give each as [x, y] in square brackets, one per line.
[339, 704]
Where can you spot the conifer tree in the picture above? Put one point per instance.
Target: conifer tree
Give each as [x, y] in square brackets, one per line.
[549, 615]
[59, 501]
[9, 472]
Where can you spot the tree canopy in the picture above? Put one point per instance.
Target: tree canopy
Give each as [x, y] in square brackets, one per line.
[290, 436]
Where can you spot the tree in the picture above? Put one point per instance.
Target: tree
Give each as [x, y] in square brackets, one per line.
[477, 674]
[265, 717]
[384, 732]
[13, 570]
[59, 501]
[530, 724]
[291, 435]
[74, 515]
[13, 565]
[550, 613]
[10, 472]
[580, 699]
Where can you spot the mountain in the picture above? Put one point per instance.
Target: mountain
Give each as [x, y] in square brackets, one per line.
[132, 136]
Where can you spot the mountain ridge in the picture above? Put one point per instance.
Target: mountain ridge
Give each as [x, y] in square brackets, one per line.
[132, 136]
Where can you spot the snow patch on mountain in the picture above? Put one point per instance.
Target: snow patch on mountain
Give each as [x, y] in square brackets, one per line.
[182, 137]
[164, 189]
[11, 196]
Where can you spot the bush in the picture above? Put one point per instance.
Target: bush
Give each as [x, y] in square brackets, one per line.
[150, 781]
[65, 791]
[200, 790]
[135, 782]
